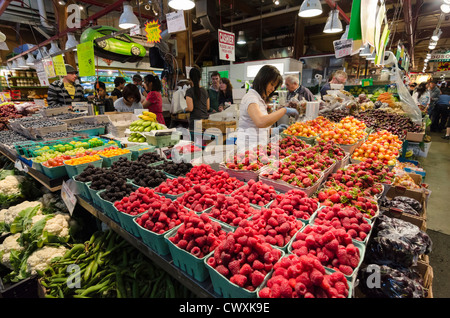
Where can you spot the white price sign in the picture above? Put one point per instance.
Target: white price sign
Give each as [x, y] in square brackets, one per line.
[19, 165]
[342, 48]
[175, 21]
[226, 45]
[68, 197]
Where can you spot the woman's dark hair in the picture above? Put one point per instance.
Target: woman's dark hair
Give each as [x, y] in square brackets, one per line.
[195, 75]
[98, 85]
[118, 81]
[421, 88]
[131, 90]
[229, 89]
[267, 74]
[156, 83]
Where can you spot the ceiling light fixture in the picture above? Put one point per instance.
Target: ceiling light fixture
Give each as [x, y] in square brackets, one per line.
[2, 37]
[436, 35]
[310, 8]
[181, 4]
[365, 51]
[62, 3]
[128, 19]
[241, 38]
[432, 45]
[21, 62]
[30, 59]
[333, 24]
[71, 42]
[81, 7]
[445, 7]
[276, 2]
[54, 48]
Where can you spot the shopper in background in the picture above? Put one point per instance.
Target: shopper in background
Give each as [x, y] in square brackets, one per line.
[435, 92]
[441, 111]
[296, 90]
[197, 99]
[254, 119]
[421, 96]
[412, 87]
[213, 92]
[339, 77]
[153, 101]
[225, 93]
[103, 97]
[137, 80]
[130, 100]
[119, 83]
[64, 91]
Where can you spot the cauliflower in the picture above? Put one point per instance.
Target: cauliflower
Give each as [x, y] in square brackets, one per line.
[13, 212]
[41, 258]
[10, 243]
[58, 225]
[11, 185]
[2, 215]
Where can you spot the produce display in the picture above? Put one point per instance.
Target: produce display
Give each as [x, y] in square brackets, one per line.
[348, 131]
[113, 151]
[249, 270]
[198, 235]
[310, 128]
[333, 247]
[274, 226]
[82, 160]
[295, 202]
[148, 177]
[257, 193]
[198, 198]
[175, 186]
[231, 209]
[175, 169]
[7, 111]
[146, 122]
[304, 277]
[249, 160]
[381, 145]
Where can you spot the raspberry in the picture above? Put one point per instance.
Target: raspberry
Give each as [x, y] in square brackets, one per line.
[337, 276]
[284, 228]
[347, 270]
[276, 292]
[246, 269]
[365, 227]
[182, 244]
[310, 241]
[340, 287]
[223, 270]
[239, 280]
[257, 265]
[304, 279]
[351, 249]
[234, 267]
[281, 271]
[265, 293]
[316, 277]
[353, 261]
[201, 240]
[352, 233]
[285, 289]
[257, 278]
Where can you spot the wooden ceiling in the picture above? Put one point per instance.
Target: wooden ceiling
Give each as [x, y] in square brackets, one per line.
[268, 26]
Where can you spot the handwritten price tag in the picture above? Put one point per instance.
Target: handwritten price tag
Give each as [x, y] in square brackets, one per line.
[342, 48]
[68, 197]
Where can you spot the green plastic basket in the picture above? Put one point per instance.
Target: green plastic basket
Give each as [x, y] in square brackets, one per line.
[226, 289]
[55, 172]
[135, 152]
[74, 170]
[309, 140]
[109, 209]
[92, 132]
[156, 242]
[95, 198]
[108, 161]
[83, 189]
[37, 166]
[187, 262]
[164, 141]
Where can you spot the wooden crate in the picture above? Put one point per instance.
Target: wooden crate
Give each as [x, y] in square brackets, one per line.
[221, 125]
[47, 112]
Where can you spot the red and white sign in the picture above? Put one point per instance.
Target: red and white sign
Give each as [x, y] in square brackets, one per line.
[226, 45]
[342, 48]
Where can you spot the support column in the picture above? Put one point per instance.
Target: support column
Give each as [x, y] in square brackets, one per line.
[299, 37]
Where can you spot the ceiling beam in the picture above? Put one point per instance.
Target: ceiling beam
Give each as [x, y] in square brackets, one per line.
[105, 4]
[83, 23]
[3, 5]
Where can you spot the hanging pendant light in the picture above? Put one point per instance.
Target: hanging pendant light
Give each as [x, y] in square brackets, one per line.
[241, 38]
[21, 62]
[436, 35]
[310, 8]
[365, 51]
[432, 45]
[445, 7]
[2, 37]
[333, 24]
[71, 42]
[181, 4]
[30, 60]
[42, 52]
[54, 48]
[128, 19]
[345, 34]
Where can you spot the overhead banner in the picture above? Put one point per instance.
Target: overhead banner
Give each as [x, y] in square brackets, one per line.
[175, 21]
[86, 59]
[226, 45]
[153, 31]
[440, 56]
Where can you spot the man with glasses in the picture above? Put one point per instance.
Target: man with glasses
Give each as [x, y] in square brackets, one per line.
[339, 77]
[66, 90]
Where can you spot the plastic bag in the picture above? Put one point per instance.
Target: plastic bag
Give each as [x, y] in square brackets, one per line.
[397, 242]
[393, 282]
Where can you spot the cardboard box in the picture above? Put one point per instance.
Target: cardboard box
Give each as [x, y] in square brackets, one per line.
[421, 220]
[416, 137]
